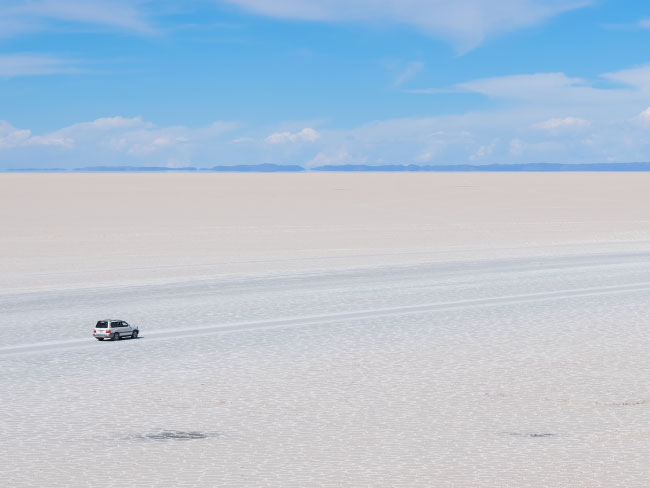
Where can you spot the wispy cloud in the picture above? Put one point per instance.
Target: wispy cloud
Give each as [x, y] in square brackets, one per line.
[524, 86]
[637, 77]
[242, 140]
[464, 23]
[12, 65]
[433, 91]
[19, 16]
[555, 88]
[408, 73]
[641, 24]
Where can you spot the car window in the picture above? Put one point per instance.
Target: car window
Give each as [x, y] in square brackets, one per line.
[102, 324]
[116, 324]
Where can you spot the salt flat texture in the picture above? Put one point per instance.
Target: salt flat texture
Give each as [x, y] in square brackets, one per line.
[326, 330]
[71, 230]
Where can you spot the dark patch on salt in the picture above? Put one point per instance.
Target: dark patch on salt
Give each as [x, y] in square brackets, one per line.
[530, 434]
[177, 435]
[627, 404]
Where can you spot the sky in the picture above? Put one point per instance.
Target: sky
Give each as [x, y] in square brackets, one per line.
[222, 82]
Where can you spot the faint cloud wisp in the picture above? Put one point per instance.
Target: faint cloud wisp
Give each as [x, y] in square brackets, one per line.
[19, 17]
[463, 23]
[12, 65]
[410, 72]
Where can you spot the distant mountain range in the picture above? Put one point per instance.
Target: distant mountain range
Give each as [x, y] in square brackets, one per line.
[530, 167]
[239, 168]
[278, 168]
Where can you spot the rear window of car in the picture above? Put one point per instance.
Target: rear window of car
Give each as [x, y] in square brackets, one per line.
[102, 324]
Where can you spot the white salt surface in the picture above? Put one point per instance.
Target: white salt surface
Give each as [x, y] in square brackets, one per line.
[521, 363]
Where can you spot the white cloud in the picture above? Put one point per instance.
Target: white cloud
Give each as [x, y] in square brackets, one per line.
[638, 77]
[566, 123]
[305, 135]
[10, 138]
[517, 87]
[484, 150]
[115, 140]
[558, 89]
[31, 64]
[644, 117]
[20, 17]
[464, 23]
[611, 115]
[136, 137]
[117, 122]
[106, 125]
[336, 157]
[517, 147]
[527, 86]
[605, 124]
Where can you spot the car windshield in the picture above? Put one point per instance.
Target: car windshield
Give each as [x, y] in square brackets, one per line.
[102, 324]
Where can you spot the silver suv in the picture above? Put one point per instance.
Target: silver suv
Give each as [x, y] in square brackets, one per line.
[115, 330]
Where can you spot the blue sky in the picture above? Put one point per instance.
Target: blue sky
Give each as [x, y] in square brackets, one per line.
[210, 82]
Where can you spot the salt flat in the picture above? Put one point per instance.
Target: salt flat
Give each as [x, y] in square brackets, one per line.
[326, 330]
[69, 230]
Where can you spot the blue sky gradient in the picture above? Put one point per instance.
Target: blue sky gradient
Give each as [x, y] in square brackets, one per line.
[208, 82]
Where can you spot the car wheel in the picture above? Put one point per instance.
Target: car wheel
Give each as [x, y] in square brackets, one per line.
[100, 338]
[116, 337]
[134, 335]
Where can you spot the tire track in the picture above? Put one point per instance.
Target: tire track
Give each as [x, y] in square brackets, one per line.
[321, 319]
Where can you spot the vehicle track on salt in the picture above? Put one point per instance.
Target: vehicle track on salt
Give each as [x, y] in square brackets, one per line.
[328, 318]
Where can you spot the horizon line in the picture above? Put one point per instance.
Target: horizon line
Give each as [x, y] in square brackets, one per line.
[284, 168]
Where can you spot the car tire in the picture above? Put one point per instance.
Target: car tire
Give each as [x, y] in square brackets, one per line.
[116, 337]
[134, 335]
[100, 338]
